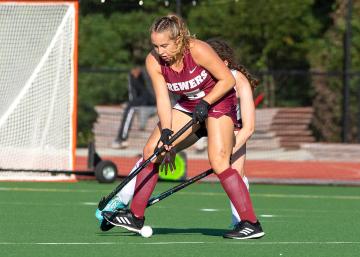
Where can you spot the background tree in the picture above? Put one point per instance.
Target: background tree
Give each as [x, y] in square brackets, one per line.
[327, 55]
[281, 41]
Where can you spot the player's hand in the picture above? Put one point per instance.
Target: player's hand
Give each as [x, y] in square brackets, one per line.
[168, 162]
[201, 111]
[165, 138]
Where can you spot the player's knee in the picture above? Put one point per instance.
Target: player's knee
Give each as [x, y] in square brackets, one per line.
[220, 160]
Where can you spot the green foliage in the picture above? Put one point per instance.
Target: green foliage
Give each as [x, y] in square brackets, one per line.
[267, 35]
[117, 41]
[264, 34]
[327, 54]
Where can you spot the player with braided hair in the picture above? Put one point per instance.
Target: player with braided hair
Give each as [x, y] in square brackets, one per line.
[190, 68]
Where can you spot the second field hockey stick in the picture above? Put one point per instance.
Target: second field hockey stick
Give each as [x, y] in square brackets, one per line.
[105, 200]
[169, 192]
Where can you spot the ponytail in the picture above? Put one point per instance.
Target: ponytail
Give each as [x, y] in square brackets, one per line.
[254, 82]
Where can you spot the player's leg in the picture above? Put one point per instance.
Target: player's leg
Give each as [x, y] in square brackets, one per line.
[143, 188]
[122, 199]
[237, 162]
[200, 145]
[220, 137]
[235, 217]
[147, 178]
[126, 194]
[239, 231]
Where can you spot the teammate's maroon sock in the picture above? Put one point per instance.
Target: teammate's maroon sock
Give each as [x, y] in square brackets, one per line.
[145, 184]
[236, 190]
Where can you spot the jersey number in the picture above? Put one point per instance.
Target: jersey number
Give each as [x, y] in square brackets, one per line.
[196, 94]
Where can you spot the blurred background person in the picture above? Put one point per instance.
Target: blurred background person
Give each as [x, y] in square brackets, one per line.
[140, 94]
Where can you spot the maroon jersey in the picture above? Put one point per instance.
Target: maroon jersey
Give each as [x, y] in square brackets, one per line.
[194, 82]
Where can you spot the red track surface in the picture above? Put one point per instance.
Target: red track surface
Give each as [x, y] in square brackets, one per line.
[264, 170]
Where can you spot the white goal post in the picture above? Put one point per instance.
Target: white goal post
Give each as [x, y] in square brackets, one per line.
[38, 87]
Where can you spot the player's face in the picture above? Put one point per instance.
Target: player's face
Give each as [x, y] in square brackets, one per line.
[163, 45]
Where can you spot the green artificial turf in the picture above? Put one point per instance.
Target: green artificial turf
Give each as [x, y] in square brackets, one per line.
[57, 219]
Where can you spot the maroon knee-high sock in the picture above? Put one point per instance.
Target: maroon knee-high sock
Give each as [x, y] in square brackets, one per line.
[145, 184]
[236, 190]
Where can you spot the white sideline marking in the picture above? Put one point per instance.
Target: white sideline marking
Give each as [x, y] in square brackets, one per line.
[90, 203]
[339, 197]
[162, 207]
[267, 215]
[185, 242]
[170, 243]
[55, 190]
[290, 243]
[305, 210]
[50, 204]
[209, 210]
[74, 243]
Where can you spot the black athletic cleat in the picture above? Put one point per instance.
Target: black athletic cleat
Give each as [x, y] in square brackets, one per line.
[245, 230]
[125, 219]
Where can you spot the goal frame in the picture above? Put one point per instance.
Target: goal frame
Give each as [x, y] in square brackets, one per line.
[74, 68]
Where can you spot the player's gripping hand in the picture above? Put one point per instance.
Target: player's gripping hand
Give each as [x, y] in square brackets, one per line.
[165, 138]
[201, 111]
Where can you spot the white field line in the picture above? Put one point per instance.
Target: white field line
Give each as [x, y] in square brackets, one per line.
[204, 209]
[300, 210]
[267, 195]
[209, 210]
[187, 242]
[50, 190]
[338, 197]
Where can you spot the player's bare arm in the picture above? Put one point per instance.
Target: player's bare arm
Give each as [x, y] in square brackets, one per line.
[247, 107]
[163, 103]
[205, 56]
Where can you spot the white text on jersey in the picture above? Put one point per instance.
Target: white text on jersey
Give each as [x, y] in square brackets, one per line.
[189, 84]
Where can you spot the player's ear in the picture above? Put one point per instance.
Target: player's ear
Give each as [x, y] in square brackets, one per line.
[226, 63]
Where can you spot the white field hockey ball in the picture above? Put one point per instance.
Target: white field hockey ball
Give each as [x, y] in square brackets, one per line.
[146, 231]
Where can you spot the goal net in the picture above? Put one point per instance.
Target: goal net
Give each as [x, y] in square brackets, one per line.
[38, 68]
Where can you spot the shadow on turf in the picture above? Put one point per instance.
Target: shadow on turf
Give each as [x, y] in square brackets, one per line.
[163, 231]
[203, 231]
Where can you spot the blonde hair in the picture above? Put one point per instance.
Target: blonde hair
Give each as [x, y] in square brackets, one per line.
[178, 32]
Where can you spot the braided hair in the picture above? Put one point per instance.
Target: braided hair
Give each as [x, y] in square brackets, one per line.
[226, 53]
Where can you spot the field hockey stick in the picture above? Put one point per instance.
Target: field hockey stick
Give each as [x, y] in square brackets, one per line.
[169, 192]
[105, 200]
